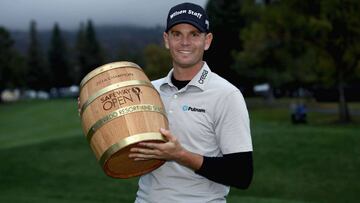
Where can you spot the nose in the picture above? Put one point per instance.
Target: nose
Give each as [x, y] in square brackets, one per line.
[185, 41]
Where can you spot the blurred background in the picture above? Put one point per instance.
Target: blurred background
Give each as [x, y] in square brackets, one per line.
[297, 63]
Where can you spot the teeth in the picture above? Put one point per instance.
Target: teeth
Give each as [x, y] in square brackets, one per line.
[185, 52]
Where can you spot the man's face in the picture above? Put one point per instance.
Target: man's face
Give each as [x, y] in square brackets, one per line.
[186, 44]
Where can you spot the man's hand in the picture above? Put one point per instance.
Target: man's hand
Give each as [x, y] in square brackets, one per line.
[169, 151]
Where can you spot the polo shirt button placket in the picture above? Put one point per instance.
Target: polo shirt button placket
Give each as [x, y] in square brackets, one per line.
[172, 102]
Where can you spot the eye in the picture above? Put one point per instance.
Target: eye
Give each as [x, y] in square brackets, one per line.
[175, 34]
[195, 34]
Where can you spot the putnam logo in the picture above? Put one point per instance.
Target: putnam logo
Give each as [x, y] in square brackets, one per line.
[189, 108]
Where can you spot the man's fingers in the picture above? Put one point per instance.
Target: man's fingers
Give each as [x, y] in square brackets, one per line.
[145, 151]
[149, 145]
[167, 134]
[141, 157]
[164, 131]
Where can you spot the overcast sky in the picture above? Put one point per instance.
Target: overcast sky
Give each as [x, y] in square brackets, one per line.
[16, 14]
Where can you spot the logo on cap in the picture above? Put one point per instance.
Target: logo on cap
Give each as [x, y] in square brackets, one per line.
[188, 13]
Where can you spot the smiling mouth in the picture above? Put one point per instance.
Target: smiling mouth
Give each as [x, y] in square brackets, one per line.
[185, 52]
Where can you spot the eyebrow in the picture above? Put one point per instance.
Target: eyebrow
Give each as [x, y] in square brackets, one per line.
[174, 31]
[192, 31]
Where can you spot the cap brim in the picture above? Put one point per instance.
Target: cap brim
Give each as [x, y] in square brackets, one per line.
[201, 29]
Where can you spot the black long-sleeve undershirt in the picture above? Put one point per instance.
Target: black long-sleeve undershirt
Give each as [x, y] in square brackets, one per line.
[234, 169]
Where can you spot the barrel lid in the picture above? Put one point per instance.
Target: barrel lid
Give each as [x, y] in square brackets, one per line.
[106, 67]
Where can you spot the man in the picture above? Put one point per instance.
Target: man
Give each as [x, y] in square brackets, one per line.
[209, 145]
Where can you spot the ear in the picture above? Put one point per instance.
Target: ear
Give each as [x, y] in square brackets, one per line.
[208, 40]
[166, 40]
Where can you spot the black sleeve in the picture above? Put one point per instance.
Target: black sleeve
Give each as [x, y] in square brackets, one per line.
[234, 169]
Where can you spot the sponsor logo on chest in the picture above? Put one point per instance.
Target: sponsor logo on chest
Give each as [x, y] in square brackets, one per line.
[187, 108]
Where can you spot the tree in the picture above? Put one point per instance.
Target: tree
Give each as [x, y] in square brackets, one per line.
[12, 66]
[341, 43]
[37, 72]
[272, 51]
[80, 51]
[128, 53]
[58, 59]
[226, 21]
[89, 52]
[157, 61]
[304, 41]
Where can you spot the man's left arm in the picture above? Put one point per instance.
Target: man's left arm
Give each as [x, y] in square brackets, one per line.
[235, 169]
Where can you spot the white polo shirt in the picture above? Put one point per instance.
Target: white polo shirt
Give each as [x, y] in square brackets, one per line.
[209, 117]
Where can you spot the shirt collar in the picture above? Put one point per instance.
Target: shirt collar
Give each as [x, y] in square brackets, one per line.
[200, 80]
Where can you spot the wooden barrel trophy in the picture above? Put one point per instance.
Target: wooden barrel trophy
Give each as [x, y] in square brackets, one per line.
[120, 108]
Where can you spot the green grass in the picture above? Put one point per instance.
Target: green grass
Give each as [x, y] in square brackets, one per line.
[37, 121]
[45, 158]
[317, 162]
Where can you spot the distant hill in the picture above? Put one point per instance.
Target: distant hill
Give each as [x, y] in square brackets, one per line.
[111, 38]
